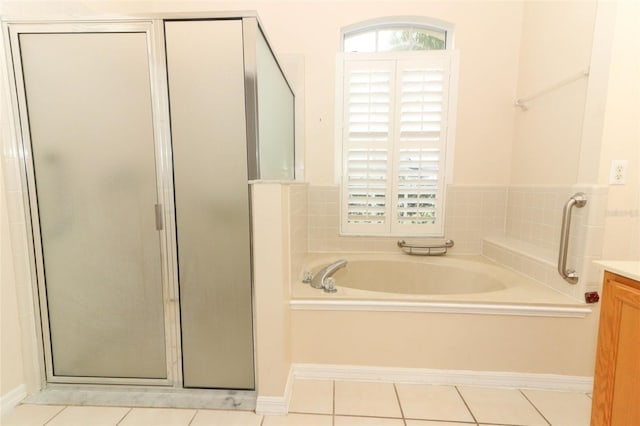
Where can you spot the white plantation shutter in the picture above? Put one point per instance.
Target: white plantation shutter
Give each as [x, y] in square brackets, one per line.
[395, 139]
[367, 120]
[420, 145]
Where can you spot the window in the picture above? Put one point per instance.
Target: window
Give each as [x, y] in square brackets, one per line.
[395, 38]
[397, 131]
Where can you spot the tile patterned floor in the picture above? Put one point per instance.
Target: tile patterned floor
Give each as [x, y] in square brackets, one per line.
[341, 403]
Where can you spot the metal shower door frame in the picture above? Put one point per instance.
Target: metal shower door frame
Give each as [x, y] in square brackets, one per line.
[153, 30]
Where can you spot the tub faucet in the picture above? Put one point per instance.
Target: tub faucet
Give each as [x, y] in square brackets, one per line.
[318, 280]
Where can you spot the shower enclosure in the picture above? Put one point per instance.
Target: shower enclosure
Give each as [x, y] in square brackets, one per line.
[139, 140]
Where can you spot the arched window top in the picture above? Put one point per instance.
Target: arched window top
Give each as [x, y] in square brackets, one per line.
[397, 34]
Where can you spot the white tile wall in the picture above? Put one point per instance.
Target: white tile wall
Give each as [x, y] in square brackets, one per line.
[471, 213]
[532, 239]
[517, 226]
[299, 232]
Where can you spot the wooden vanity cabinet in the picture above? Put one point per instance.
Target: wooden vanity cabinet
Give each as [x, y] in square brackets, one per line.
[616, 389]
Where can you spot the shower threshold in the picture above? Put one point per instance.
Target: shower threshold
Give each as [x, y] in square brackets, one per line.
[144, 396]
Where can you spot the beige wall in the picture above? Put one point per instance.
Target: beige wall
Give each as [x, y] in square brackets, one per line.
[487, 35]
[556, 45]
[621, 137]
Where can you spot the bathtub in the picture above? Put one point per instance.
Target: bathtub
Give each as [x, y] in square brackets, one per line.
[449, 314]
[462, 283]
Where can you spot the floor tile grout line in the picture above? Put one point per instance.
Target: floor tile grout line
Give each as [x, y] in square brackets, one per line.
[333, 400]
[395, 389]
[501, 424]
[125, 415]
[456, 422]
[193, 417]
[534, 406]
[473, 416]
[461, 422]
[364, 416]
[55, 415]
[307, 413]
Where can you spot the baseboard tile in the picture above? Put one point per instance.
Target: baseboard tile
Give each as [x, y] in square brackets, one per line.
[276, 405]
[11, 399]
[500, 379]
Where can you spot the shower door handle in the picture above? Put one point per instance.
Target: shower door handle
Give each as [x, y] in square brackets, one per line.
[577, 200]
[159, 217]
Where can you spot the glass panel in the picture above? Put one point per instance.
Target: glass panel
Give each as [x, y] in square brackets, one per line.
[360, 42]
[275, 117]
[410, 39]
[92, 139]
[395, 39]
[206, 84]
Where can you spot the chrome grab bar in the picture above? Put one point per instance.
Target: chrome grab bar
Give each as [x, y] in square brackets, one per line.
[417, 250]
[577, 200]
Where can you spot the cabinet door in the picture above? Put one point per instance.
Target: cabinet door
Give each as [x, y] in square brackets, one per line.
[617, 377]
[206, 92]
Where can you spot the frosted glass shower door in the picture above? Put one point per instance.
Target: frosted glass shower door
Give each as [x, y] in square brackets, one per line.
[206, 94]
[92, 144]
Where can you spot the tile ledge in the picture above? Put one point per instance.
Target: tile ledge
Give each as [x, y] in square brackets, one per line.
[524, 248]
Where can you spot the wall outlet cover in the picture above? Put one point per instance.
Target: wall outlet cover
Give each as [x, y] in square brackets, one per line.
[618, 172]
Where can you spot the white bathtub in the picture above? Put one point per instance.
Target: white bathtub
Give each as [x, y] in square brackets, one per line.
[420, 277]
[464, 283]
[448, 314]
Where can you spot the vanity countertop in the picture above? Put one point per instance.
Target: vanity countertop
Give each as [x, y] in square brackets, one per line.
[628, 268]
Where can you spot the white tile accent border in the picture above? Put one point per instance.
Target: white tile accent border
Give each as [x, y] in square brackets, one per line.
[11, 399]
[496, 379]
[277, 405]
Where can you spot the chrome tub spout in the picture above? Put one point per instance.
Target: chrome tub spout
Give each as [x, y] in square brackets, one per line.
[318, 280]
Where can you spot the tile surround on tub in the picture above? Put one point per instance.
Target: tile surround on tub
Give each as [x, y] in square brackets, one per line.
[521, 225]
[534, 213]
[531, 243]
[298, 226]
[471, 213]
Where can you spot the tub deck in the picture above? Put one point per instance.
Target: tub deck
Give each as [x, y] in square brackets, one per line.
[521, 295]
